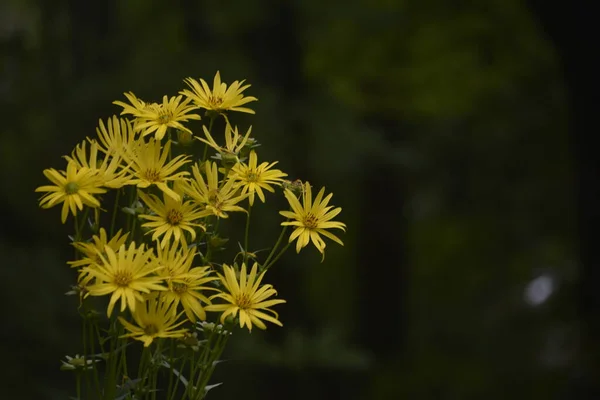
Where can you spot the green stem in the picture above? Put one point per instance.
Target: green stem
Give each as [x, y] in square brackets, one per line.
[78, 385]
[84, 334]
[154, 369]
[181, 369]
[171, 358]
[210, 125]
[246, 235]
[97, 328]
[268, 265]
[94, 364]
[77, 235]
[214, 355]
[143, 365]
[123, 358]
[274, 249]
[114, 214]
[110, 381]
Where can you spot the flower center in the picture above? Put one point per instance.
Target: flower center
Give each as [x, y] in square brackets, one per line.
[243, 301]
[123, 278]
[179, 287]
[215, 101]
[252, 177]
[71, 188]
[174, 217]
[151, 330]
[213, 195]
[164, 117]
[152, 175]
[311, 221]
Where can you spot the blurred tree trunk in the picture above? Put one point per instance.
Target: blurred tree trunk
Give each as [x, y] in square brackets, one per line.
[572, 28]
[382, 275]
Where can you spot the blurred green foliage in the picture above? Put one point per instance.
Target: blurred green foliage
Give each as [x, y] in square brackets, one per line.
[455, 108]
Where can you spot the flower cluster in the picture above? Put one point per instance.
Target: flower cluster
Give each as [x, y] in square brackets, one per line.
[141, 173]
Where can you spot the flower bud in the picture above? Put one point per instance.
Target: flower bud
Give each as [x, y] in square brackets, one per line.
[295, 187]
[76, 363]
[250, 144]
[217, 242]
[228, 160]
[184, 138]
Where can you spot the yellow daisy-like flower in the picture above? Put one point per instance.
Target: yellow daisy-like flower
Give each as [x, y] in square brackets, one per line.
[171, 218]
[149, 166]
[136, 106]
[116, 137]
[154, 318]
[156, 118]
[312, 219]
[217, 200]
[246, 297]
[125, 274]
[253, 178]
[186, 284]
[220, 98]
[91, 250]
[234, 142]
[74, 188]
[107, 169]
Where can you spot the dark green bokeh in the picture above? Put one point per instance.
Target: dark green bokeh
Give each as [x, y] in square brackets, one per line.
[439, 126]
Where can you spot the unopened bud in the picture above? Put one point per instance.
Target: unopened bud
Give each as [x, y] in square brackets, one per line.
[217, 242]
[185, 138]
[228, 160]
[250, 144]
[295, 187]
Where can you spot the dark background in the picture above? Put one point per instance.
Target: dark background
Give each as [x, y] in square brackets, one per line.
[457, 136]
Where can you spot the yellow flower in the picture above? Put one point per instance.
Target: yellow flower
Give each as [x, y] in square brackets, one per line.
[74, 188]
[220, 98]
[254, 178]
[126, 274]
[186, 284]
[217, 200]
[116, 136]
[156, 118]
[91, 250]
[135, 107]
[246, 297]
[234, 142]
[107, 169]
[154, 318]
[171, 218]
[150, 167]
[312, 219]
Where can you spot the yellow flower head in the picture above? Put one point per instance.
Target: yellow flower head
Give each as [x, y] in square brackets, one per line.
[116, 137]
[149, 166]
[125, 274]
[186, 284]
[156, 118]
[220, 98]
[311, 219]
[154, 318]
[171, 218]
[136, 106]
[108, 170]
[253, 178]
[216, 199]
[234, 142]
[91, 250]
[74, 188]
[246, 297]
